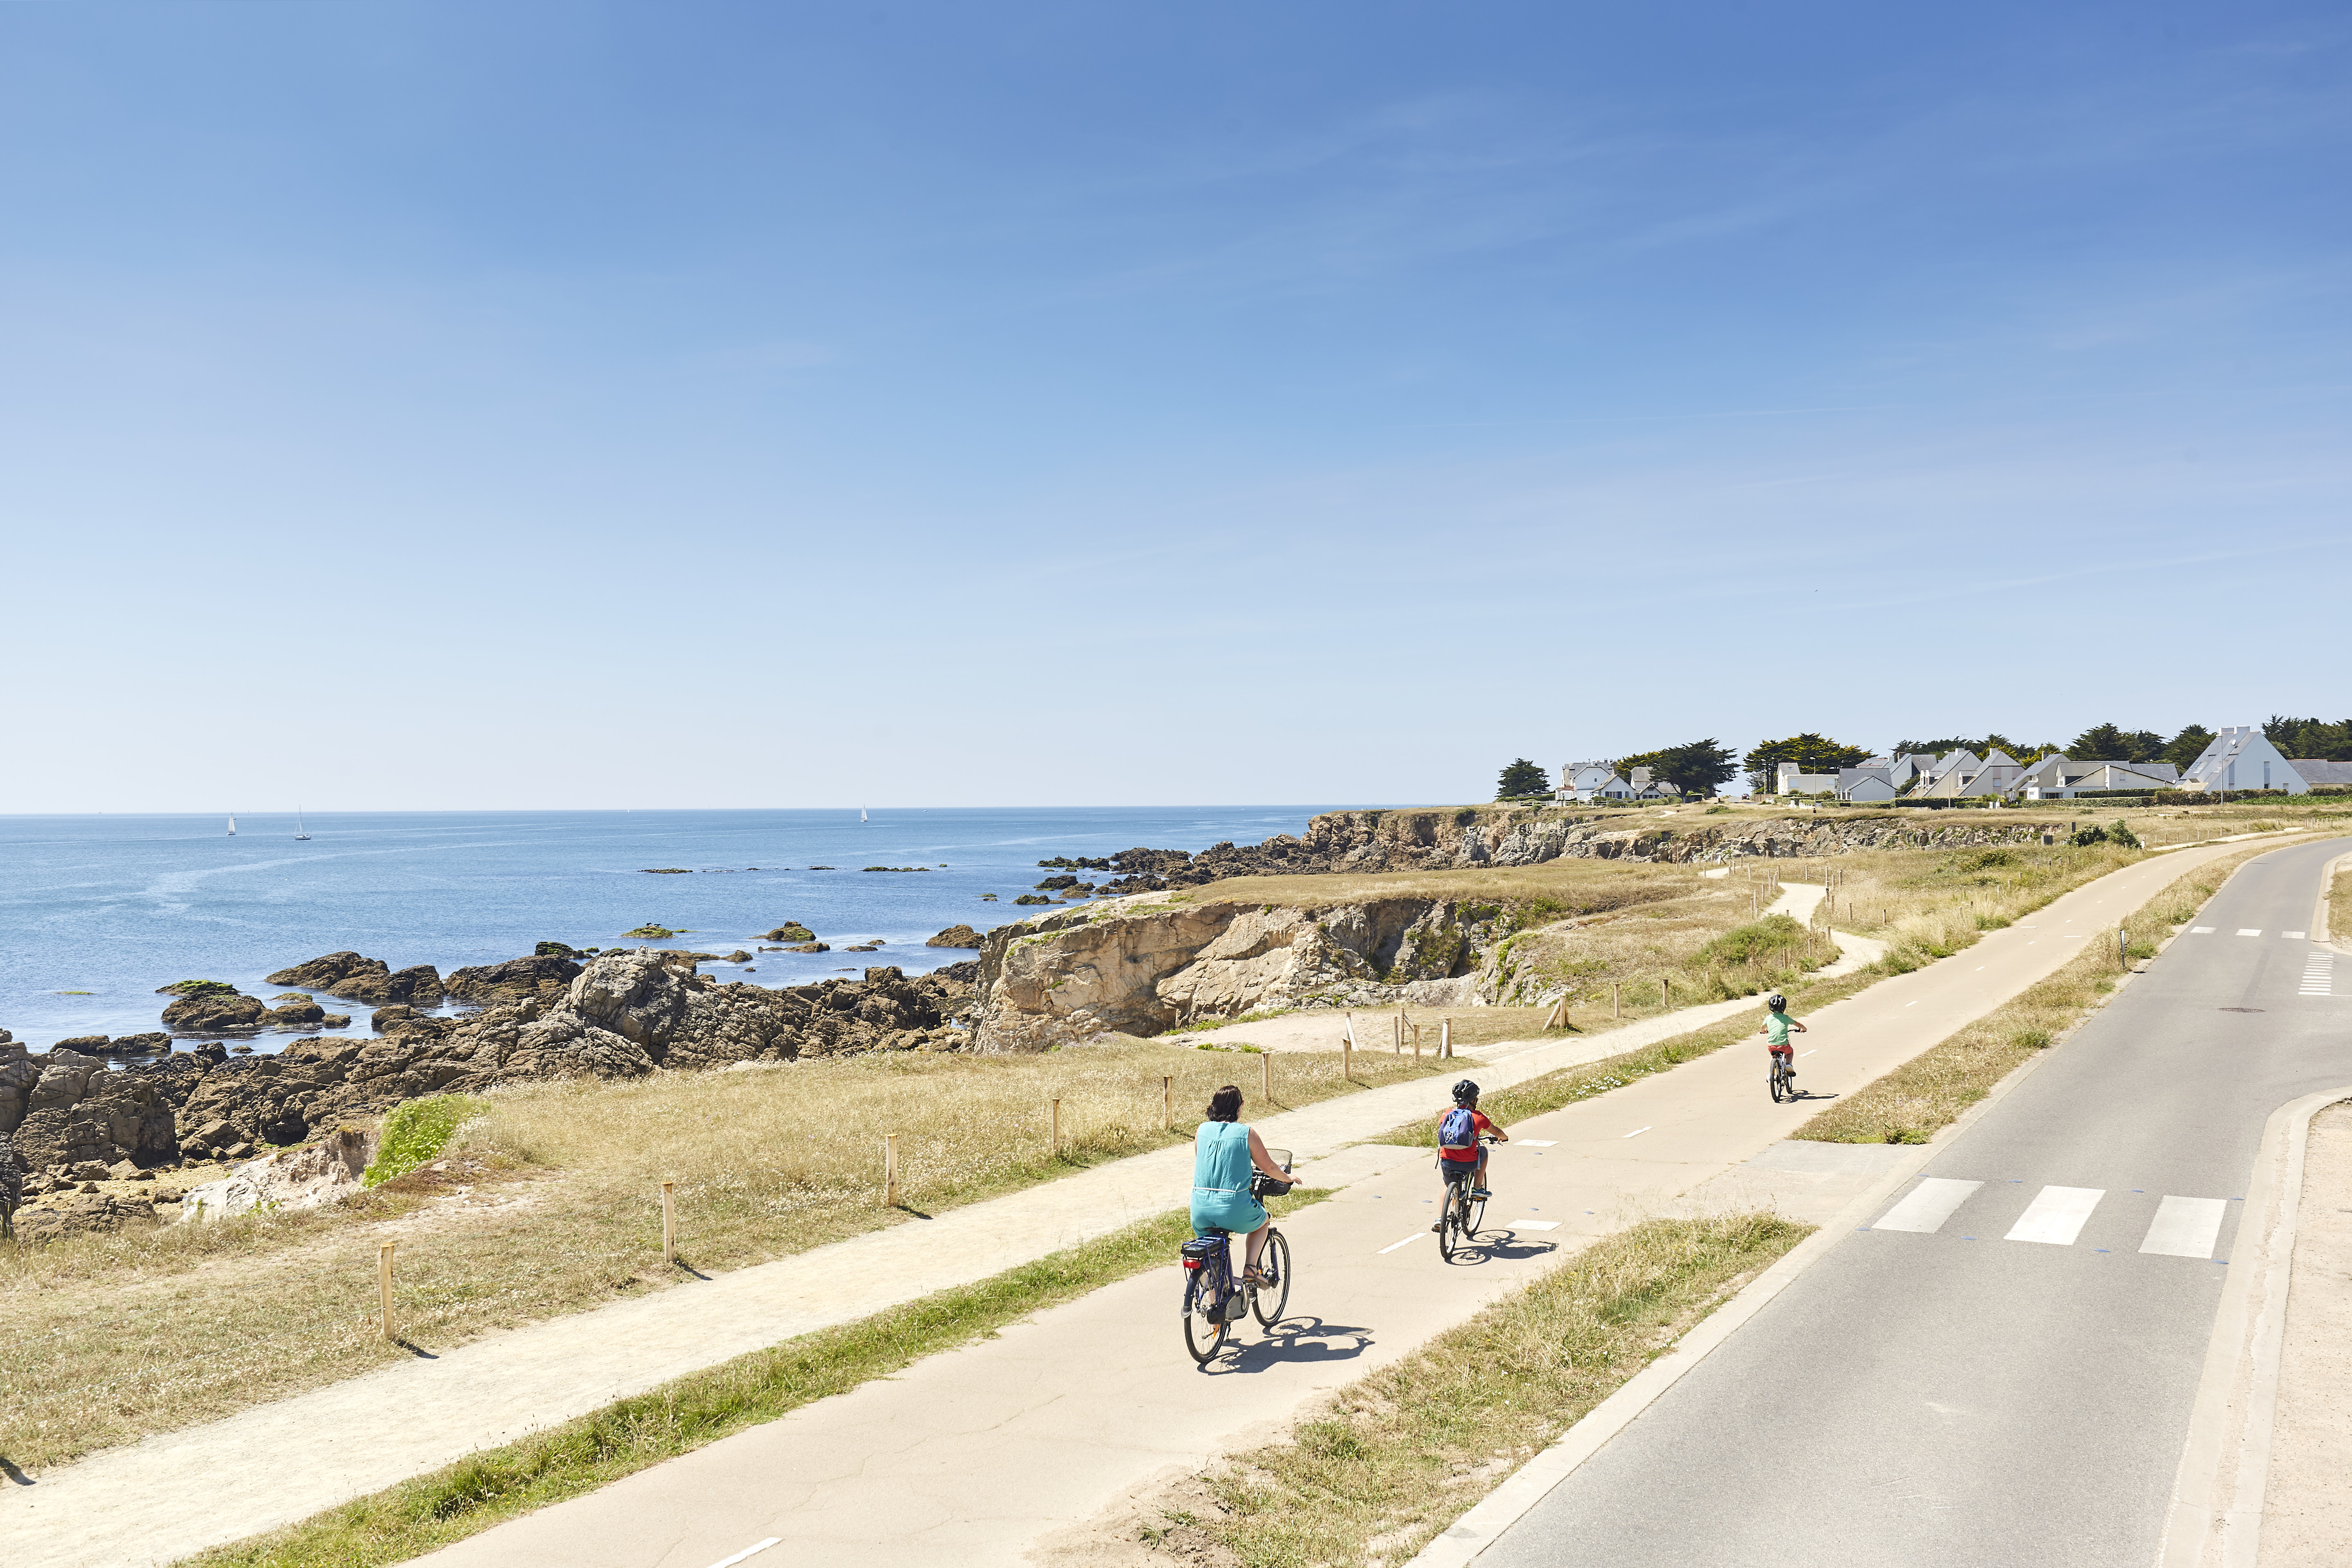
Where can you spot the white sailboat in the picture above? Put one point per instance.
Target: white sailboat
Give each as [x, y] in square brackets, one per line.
[861, 816]
[231, 825]
[299, 831]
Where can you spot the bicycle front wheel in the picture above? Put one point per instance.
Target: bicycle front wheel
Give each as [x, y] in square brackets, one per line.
[1474, 1216]
[1778, 1084]
[1268, 1301]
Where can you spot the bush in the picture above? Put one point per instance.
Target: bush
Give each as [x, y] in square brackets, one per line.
[418, 1131]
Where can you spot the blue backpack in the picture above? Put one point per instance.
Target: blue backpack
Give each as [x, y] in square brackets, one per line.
[1459, 1130]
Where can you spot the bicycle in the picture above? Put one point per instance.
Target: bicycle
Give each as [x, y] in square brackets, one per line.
[1781, 1078]
[1214, 1298]
[1458, 1222]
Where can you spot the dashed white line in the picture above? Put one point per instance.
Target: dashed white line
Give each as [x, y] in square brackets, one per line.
[2186, 1227]
[747, 1552]
[1639, 1130]
[1537, 1142]
[1535, 1224]
[1383, 1252]
[2200, 931]
[2247, 930]
[1928, 1206]
[2294, 935]
[2056, 1216]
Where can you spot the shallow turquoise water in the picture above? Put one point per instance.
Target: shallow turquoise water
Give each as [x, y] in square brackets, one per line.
[116, 906]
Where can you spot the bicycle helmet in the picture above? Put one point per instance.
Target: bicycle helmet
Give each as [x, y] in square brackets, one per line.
[1776, 1002]
[1466, 1093]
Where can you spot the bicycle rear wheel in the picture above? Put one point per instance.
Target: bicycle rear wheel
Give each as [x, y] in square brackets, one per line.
[1268, 1301]
[1448, 1220]
[1204, 1321]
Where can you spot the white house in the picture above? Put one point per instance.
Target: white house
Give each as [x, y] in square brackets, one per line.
[2241, 757]
[1962, 776]
[1790, 778]
[1865, 784]
[1587, 782]
[1645, 787]
[2058, 777]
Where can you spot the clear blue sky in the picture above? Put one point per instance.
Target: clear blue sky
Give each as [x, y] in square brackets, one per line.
[756, 404]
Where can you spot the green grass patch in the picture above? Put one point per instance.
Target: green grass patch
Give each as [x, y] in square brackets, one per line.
[498, 1484]
[416, 1131]
[1405, 1452]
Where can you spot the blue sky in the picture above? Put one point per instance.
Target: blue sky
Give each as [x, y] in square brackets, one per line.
[442, 405]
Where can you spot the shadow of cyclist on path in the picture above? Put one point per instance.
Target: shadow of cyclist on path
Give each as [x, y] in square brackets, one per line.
[1295, 1339]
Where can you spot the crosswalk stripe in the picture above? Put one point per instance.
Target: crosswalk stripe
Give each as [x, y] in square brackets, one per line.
[1928, 1206]
[2056, 1216]
[2186, 1227]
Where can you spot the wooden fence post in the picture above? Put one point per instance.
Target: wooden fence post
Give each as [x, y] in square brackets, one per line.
[1348, 1050]
[1266, 1076]
[889, 1170]
[383, 1285]
[669, 1225]
[1446, 1040]
[1616, 1000]
[1166, 1102]
[1057, 1130]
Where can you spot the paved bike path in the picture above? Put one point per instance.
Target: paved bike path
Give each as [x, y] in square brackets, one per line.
[983, 1454]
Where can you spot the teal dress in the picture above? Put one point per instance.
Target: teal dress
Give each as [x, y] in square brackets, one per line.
[1222, 1168]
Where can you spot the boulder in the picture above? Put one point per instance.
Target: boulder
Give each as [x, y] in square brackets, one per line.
[77, 1213]
[956, 936]
[810, 947]
[791, 931]
[301, 1013]
[555, 949]
[301, 1178]
[211, 1012]
[362, 979]
[543, 974]
[640, 996]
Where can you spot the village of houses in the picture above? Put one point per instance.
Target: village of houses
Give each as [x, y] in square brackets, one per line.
[2240, 758]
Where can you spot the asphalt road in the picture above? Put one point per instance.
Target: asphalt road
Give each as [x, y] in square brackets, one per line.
[2009, 1381]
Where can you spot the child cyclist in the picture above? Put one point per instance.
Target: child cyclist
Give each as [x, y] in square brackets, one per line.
[1777, 1024]
[1460, 1156]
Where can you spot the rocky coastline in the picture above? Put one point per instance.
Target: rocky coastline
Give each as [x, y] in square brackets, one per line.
[73, 1120]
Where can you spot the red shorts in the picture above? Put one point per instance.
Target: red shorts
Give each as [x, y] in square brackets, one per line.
[1782, 1050]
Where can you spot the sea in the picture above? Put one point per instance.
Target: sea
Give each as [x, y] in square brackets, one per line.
[97, 913]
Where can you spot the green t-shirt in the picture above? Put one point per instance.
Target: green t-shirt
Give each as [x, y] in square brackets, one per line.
[1776, 1028]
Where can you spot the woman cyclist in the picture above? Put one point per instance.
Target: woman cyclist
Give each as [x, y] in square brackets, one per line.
[1225, 1155]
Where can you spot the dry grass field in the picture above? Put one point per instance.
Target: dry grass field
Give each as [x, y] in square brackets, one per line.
[548, 1204]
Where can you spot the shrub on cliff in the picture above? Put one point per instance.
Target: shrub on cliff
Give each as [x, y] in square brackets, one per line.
[418, 1131]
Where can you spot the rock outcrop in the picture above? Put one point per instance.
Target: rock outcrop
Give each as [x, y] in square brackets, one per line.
[543, 975]
[359, 979]
[211, 1012]
[957, 936]
[791, 931]
[317, 1173]
[1144, 968]
[1366, 841]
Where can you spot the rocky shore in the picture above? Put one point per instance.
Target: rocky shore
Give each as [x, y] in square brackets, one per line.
[74, 1121]
[1372, 841]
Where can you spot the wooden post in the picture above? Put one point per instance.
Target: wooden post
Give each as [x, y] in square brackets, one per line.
[1665, 992]
[1348, 1049]
[1166, 1102]
[1446, 1040]
[1057, 1130]
[383, 1285]
[889, 1170]
[669, 1225]
[1266, 1076]
[1616, 1001]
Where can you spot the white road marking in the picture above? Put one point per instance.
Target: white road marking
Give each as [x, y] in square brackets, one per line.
[1803, 1055]
[2056, 1216]
[2294, 935]
[747, 1552]
[1639, 1130]
[1535, 1224]
[2247, 930]
[2186, 1227]
[2200, 931]
[1928, 1206]
[1537, 1142]
[2318, 975]
[1408, 1241]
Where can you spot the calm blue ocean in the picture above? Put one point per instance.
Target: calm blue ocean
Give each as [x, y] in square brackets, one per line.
[98, 912]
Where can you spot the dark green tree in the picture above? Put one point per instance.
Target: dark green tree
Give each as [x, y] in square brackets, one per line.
[2310, 737]
[1521, 779]
[1695, 767]
[1983, 746]
[1812, 753]
[2186, 746]
[2108, 743]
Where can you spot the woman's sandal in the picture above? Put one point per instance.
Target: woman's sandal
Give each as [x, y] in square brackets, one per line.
[1254, 1275]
